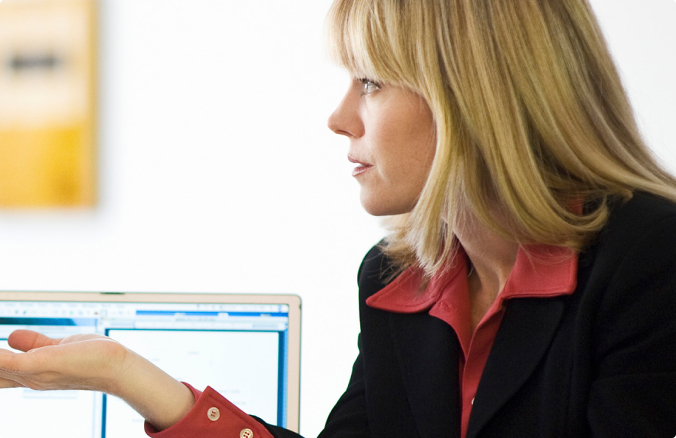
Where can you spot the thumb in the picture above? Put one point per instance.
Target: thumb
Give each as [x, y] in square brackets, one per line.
[25, 340]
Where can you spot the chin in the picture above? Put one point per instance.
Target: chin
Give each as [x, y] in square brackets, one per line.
[382, 208]
[376, 211]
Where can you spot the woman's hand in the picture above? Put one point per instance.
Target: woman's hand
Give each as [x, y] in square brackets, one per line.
[88, 361]
[97, 363]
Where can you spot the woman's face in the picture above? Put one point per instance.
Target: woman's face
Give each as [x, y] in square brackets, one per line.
[392, 144]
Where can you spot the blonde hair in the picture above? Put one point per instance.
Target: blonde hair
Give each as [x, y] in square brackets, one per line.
[530, 116]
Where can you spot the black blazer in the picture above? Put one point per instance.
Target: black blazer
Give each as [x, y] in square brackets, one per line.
[598, 363]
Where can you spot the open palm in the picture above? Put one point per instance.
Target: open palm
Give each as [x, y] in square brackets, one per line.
[87, 361]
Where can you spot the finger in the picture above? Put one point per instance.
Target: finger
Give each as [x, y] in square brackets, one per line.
[25, 340]
[7, 372]
[8, 383]
[5, 358]
[7, 363]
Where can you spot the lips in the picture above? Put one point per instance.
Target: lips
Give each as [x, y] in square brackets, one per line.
[361, 166]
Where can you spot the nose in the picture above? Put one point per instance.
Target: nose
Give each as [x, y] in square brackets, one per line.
[345, 118]
[334, 122]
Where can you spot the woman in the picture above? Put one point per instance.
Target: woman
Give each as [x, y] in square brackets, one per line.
[528, 284]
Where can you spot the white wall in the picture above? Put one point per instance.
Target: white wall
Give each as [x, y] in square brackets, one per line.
[642, 38]
[218, 174]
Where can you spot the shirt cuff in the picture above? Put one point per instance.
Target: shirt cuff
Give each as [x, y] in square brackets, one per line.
[213, 416]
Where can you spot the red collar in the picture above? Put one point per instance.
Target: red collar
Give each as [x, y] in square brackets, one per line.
[539, 271]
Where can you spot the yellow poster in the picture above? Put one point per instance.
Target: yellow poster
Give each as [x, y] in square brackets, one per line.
[47, 103]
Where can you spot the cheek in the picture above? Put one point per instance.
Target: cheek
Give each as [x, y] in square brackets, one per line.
[402, 143]
[410, 158]
[404, 165]
[423, 146]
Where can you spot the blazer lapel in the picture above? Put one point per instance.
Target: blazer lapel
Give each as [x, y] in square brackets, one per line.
[524, 336]
[427, 350]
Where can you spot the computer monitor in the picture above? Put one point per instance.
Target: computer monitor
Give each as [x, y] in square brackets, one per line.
[247, 347]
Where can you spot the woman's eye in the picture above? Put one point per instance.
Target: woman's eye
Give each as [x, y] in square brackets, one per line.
[369, 86]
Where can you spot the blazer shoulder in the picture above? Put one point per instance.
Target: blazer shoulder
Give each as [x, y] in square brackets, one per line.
[639, 230]
[633, 220]
[373, 271]
[644, 208]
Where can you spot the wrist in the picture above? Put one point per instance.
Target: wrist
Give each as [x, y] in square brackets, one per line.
[158, 397]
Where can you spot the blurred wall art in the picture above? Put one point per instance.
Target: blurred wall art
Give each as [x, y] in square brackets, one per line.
[47, 103]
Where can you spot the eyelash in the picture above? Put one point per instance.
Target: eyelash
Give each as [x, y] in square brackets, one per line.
[369, 86]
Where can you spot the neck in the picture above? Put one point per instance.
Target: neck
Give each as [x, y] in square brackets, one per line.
[492, 257]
